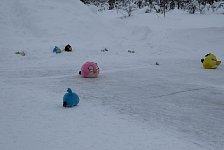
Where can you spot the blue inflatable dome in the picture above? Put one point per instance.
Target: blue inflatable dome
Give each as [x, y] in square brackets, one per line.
[70, 99]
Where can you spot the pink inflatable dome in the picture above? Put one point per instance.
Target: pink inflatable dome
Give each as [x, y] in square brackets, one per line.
[89, 70]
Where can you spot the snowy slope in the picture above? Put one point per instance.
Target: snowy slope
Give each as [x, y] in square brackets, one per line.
[134, 104]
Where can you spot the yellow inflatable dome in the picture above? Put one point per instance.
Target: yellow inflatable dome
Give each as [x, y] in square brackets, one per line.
[210, 61]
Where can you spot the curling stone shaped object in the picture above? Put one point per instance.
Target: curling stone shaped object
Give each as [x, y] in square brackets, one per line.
[22, 53]
[68, 48]
[210, 61]
[56, 50]
[89, 70]
[70, 99]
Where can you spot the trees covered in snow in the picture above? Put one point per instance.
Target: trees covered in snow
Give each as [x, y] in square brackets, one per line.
[160, 6]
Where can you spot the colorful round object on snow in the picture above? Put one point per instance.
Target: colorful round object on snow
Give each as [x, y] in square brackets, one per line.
[68, 48]
[89, 70]
[56, 50]
[210, 61]
[22, 53]
[70, 99]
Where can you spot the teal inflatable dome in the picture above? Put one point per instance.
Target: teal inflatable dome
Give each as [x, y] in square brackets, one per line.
[70, 99]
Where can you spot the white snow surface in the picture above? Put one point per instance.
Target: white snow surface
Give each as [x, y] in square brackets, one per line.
[134, 104]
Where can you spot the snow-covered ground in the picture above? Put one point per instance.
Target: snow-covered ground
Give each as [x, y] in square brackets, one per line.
[134, 104]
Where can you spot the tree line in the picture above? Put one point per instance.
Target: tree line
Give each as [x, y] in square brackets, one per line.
[159, 6]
